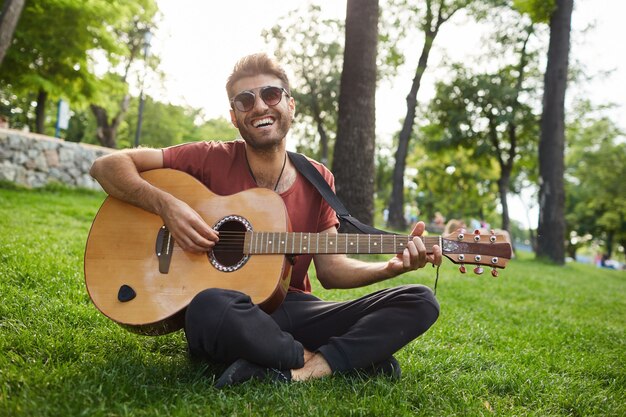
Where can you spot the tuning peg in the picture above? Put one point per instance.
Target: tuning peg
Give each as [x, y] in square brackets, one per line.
[462, 269]
[494, 273]
[478, 270]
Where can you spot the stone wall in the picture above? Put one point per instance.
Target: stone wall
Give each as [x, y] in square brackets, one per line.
[35, 160]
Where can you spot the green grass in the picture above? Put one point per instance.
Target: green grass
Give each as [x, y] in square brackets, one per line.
[541, 340]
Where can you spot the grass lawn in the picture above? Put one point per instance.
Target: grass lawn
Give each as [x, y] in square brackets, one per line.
[541, 340]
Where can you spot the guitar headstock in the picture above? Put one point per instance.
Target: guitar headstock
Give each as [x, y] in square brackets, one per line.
[481, 249]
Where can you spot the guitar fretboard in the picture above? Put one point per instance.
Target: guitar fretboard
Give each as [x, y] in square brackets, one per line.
[258, 243]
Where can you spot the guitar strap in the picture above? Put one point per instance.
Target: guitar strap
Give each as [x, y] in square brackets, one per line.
[307, 169]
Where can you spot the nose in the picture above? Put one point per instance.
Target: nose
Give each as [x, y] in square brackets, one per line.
[259, 103]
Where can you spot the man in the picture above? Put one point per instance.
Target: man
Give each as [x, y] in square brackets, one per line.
[305, 337]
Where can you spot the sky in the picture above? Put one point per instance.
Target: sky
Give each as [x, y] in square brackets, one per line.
[199, 41]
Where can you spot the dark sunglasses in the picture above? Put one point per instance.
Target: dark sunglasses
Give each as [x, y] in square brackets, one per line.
[270, 95]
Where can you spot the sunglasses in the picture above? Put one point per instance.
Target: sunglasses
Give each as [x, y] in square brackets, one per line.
[270, 95]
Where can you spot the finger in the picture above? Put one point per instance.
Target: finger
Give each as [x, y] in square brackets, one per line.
[406, 258]
[187, 243]
[422, 255]
[418, 229]
[204, 236]
[205, 231]
[436, 257]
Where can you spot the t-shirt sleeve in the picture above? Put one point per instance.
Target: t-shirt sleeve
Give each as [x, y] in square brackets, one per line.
[328, 216]
[188, 157]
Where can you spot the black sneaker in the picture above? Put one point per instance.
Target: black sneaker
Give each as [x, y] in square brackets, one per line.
[389, 368]
[241, 371]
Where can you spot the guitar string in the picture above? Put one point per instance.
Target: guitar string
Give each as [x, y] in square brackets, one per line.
[233, 240]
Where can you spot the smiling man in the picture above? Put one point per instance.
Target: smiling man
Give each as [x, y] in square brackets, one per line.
[305, 337]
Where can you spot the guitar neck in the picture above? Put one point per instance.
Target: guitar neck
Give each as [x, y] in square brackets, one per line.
[258, 243]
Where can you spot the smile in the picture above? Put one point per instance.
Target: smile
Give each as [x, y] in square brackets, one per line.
[264, 122]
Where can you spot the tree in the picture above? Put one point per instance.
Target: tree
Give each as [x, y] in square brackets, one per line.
[594, 177]
[551, 227]
[164, 125]
[353, 163]
[134, 33]
[56, 46]
[483, 112]
[11, 11]
[168, 124]
[310, 46]
[436, 13]
[452, 181]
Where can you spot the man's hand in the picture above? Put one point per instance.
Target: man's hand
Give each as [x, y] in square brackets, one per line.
[189, 230]
[414, 256]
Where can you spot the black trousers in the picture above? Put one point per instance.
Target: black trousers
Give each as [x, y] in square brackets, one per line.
[224, 325]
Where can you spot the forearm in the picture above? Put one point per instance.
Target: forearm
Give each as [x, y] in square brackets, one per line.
[118, 174]
[339, 271]
[343, 272]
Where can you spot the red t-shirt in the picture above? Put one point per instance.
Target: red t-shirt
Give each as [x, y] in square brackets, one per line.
[222, 167]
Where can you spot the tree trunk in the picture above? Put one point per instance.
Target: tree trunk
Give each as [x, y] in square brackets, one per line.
[503, 189]
[104, 132]
[551, 229]
[317, 116]
[40, 112]
[107, 132]
[11, 12]
[396, 205]
[353, 161]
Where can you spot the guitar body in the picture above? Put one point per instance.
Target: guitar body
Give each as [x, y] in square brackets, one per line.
[139, 280]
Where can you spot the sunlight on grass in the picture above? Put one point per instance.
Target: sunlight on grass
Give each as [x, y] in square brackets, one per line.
[539, 340]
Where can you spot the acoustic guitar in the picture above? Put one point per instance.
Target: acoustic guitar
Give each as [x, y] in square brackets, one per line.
[139, 277]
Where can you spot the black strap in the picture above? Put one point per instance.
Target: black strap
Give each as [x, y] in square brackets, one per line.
[307, 169]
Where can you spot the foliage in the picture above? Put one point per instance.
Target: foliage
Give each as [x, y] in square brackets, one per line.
[538, 10]
[311, 47]
[163, 125]
[452, 182]
[595, 172]
[534, 342]
[472, 107]
[428, 16]
[491, 113]
[168, 124]
[59, 43]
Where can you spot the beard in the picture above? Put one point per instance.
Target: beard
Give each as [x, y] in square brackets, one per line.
[265, 139]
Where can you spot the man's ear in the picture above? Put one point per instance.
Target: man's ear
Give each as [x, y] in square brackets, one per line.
[292, 107]
[233, 119]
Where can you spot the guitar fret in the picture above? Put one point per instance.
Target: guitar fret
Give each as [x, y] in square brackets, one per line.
[318, 243]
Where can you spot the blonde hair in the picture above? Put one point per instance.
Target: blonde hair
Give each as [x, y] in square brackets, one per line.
[253, 65]
[452, 225]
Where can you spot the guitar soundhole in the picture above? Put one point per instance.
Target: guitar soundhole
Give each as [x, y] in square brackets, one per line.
[227, 255]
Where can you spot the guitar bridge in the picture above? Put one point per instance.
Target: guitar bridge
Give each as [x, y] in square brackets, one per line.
[164, 248]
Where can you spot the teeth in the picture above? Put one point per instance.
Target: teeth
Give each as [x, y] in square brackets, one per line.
[266, 121]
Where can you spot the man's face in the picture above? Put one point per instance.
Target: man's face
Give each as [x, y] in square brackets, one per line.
[263, 126]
